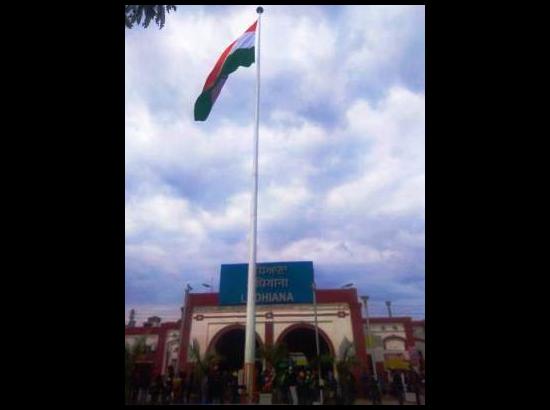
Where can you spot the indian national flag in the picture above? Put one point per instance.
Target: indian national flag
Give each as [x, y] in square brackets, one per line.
[239, 53]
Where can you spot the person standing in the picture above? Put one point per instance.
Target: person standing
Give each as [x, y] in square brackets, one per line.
[309, 388]
[168, 385]
[301, 387]
[414, 383]
[164, 390]
[422, 377]
[155, 389]
[183, 387]
[234, 385]
[177, 388]
[365, 383]
[398, 388]
[315, 387]
[216, 385]
[352, 389]
[283, 387]
[261, 380]
[374, 391]
[330, 388]
[144, 383]
[134, 387]
[292, 386]
[382, 383]
[189, 387]
[225, 387]
[205, 389]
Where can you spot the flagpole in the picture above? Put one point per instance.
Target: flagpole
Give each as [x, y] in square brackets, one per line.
[250, 336]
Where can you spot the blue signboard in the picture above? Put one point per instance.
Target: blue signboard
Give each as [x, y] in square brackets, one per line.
[276, 283]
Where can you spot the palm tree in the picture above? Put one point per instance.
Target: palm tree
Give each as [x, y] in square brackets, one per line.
[325, 360]
[348, 361]
[273, 354]
[203, 362]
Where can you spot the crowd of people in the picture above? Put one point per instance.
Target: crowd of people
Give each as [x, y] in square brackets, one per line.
[295, 385]
[181, 388]
[400, 382]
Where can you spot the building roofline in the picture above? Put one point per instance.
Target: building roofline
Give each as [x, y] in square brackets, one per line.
[323, 296]
[394, 319]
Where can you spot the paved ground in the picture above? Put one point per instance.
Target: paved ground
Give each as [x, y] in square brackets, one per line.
[386, 400]
[362, 402]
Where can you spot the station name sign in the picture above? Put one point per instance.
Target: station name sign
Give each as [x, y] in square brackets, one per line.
[276, 283]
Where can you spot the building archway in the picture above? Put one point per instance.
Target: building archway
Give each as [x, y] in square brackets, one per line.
[299, 339]
[229, 344]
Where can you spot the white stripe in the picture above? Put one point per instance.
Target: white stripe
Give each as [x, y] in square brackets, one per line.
[245, 41]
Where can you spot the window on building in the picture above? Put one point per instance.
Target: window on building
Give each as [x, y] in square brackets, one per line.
[395, 344]
[149, 348]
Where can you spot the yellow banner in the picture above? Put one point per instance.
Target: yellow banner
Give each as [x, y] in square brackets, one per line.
[372, 341]
[369, 341]
[396, 364]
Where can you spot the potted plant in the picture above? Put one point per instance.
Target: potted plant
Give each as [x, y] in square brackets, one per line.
[346, 380]
[203, 363]
[271, 355]
[266, 392]
[325, 361]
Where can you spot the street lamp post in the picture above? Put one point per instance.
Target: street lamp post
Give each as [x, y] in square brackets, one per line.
[335, 368]
[388, 305]
[314, 289]
[183, 310]
[365, 303]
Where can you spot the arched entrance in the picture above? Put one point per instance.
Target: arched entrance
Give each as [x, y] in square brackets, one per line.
[229, 344]
[300, 342]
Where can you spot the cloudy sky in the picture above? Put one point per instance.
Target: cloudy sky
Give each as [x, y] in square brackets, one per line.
[341, 154]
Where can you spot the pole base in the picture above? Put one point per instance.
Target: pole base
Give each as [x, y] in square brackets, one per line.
[249, 378]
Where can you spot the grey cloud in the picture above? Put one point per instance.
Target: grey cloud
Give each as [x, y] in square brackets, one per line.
[170, 157]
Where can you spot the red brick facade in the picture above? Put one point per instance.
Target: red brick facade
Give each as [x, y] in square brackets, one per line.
[347, 296]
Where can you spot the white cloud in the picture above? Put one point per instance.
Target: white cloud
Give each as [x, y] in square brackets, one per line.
[330, 251]
[279, 201]
[234, 216]
[164, 214]
[392, 180]
[380, 35]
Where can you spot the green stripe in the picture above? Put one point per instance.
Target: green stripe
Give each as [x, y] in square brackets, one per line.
[203, 105]
[240, 57]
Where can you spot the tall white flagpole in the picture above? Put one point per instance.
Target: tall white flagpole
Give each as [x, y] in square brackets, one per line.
[250, 338]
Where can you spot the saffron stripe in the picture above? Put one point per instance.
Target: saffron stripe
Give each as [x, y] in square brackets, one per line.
[217, 68]
[252, 27]
[211, 80]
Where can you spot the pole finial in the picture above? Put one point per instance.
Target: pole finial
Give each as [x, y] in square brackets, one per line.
[260, 10]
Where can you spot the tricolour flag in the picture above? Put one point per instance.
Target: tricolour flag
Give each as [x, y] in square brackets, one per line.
[239, 53]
